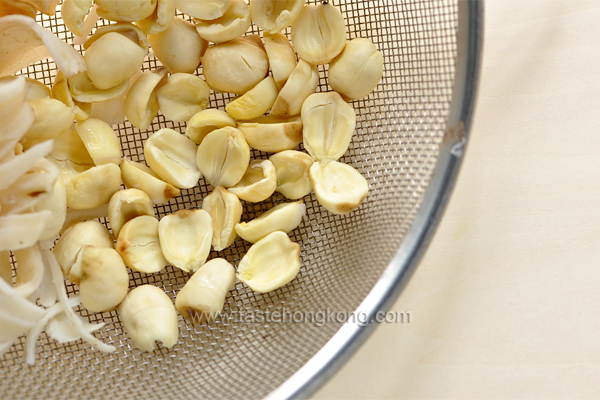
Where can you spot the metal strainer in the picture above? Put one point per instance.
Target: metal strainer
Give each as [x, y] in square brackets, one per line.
[409, 141]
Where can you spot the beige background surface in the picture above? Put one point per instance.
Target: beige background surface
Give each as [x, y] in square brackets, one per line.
[506, 303]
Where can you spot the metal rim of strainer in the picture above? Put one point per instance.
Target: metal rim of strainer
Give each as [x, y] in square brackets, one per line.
[348, 339]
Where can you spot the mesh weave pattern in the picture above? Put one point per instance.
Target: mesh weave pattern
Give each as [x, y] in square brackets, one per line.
[395, 146]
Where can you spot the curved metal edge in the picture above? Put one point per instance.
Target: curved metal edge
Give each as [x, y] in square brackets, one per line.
[347, 340]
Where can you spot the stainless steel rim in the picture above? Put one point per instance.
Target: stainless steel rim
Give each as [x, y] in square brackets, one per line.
[352, 334]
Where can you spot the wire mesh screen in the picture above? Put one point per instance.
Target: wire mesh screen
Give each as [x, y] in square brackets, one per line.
[395, 147]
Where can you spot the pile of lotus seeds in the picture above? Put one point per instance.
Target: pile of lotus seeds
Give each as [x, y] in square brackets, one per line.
[79, 167]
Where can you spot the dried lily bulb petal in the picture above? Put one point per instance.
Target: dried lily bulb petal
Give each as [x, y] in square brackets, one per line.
[52, 118]
[254, 102]
[319, 33]
[357, 70]
[328, 125]
[302, 83]
[6, 267]
[185, 237]
[225, 209]
[292, 173]
[271, 263]
[282, 57]
[20, 231]
[100, 140]
[139, 246]
[258, 183]
[57, 204]
[141, 105]
[83, 90]
[125, 11]
[30, 188]
[223, 157]
[16, 115]
[205, 9]
[114, 54]
[273, 16]
[138, 176]
[148, 315]
[236, 66]
[233, 24]
[172, 156]
[104, 280]
[160, 20]
[179, 47]
[73, 13]
[94, 187]
[61, 92]
[34, 90]
[12, 7]
[338, 187]
[30, 270]
[272, 134]
[126, 205]
[205, 122]
[75, 237]
[182, 96]
[202, 298]
[35, 44]
[284, 217]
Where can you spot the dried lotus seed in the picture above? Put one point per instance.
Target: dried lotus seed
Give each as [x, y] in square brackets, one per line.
[172, 156]
[357, 70]
[272, 134]
[271, 263]
[83, 90]
[148, 315]
[205, 9]
[130, 10]
[292, 173]
[319, 33]
[51, 118]
[181, 96]
[236, 66]
[338, 187]
[160, 20]
[258, 183]
[179, 47]
[205, 122]
[93, 187]
[112, 59]
[104, 280]
[254, 102]
[73, 13]
[328, 125]
[139, 246]
[185, 237]
[284, 217]
[202, 298]
[141, 105]
[225, 209]
[75, 237]
[61, 92]
[282, 57]
[100, 140]
[126, 205]
[233, 24]
[223, 157]
[302, 83]
[138, 176]
[273, 16]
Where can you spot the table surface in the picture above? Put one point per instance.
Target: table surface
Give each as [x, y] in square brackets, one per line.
[506, 302]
